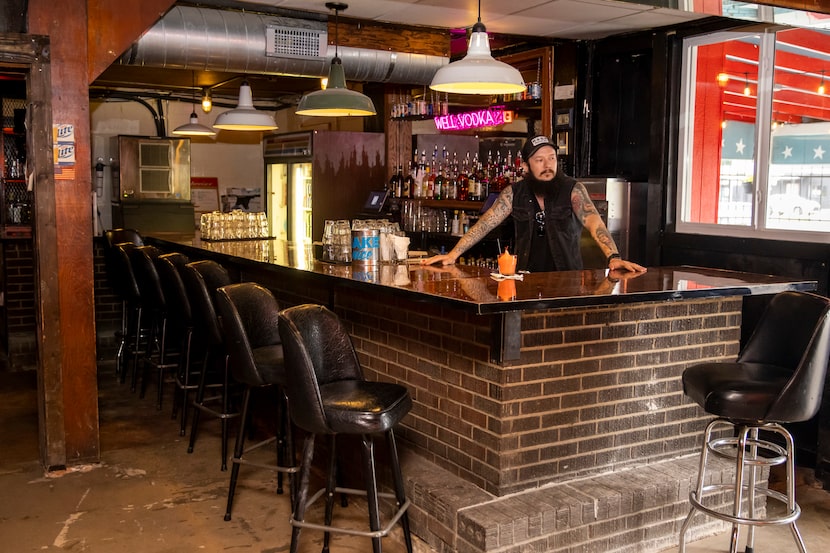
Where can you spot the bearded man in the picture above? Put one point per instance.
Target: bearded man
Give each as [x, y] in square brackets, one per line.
[549, 210]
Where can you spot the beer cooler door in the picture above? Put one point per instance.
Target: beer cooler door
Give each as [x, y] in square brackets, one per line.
[289, 201]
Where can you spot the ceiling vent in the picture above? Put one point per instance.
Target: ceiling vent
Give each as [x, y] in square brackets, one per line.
[293, 42]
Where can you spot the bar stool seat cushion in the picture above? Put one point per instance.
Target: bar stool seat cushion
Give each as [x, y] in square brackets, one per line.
[738, 391]
[363, 407]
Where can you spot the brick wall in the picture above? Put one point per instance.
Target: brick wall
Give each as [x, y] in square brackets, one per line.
[596, 389]
[19, 304]
[20, 286]
[107, 303]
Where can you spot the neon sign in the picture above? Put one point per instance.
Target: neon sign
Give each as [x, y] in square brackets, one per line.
[473, 119]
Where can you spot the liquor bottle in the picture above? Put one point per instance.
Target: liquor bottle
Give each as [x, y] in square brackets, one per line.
[518, 172]
[463, 184]
[429, 179]
[418, 189]
[396, 183]
[429, 183]
[408, 183]
[474, 191]
[483, 182]
[438, 193]
[455, 228]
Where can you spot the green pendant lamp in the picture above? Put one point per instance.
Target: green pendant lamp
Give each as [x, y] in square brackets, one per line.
[336, 100]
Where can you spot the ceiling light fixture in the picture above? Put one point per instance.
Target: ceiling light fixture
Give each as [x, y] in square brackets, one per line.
[821, 88]
[335, 100]
[723, 79]
[747, 91]
[207, 100]
[245, 117]
[478, 72]
[194, 128]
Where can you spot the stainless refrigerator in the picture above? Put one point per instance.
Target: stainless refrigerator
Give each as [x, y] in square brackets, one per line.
[318, 175]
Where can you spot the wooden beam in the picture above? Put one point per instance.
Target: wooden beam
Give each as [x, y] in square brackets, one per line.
[394, 38]
[67, 307]
[30, 55]
[114, 25]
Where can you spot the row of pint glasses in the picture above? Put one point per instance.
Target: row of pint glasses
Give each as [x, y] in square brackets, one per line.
[418, 218]
[365, 242]
[236, 225]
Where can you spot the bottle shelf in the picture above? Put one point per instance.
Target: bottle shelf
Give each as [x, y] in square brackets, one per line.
[468, 205]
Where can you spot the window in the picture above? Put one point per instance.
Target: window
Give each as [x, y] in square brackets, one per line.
[755, 135]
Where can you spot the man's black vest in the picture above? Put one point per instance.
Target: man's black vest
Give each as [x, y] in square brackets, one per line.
[562, 228]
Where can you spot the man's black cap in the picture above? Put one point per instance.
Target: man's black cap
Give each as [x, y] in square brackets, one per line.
[531, 145]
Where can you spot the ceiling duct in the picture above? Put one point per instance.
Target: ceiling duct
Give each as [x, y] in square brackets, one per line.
[208, 39]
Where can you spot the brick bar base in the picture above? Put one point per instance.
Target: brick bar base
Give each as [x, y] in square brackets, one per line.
[637, 510]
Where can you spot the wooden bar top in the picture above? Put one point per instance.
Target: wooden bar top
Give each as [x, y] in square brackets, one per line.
[475, 289]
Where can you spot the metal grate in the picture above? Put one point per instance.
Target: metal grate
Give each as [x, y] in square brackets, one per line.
[295, 43]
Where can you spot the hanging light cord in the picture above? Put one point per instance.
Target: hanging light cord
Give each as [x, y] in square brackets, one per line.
[337, 7]
[479, 26]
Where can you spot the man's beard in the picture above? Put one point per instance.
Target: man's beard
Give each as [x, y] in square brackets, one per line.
[538, 186]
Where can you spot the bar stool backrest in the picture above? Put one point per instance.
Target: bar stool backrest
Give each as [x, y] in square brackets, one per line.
[178, 304]
[113, 260]
[121, 235]
[248, 314]
[793, 333]
[146, 275]
[201, 279]
[124, 282]
[318, 351]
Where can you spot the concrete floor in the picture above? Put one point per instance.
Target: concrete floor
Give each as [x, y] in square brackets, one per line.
[149, 495]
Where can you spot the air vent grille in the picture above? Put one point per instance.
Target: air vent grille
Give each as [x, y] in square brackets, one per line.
[295, 43]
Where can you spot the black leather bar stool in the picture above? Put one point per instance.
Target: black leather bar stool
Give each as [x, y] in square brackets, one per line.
[180, 323]
[249, 325]
[121, 281]
[777, 379]
[158, 351]
[118, 261]
[202, 279]
[329, 396]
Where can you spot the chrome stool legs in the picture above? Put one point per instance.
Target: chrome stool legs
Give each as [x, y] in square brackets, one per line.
[750, 453]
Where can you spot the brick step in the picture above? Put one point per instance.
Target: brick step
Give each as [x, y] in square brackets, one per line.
[638, 509]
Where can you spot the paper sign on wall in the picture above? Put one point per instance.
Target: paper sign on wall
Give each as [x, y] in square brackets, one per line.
[63, 151]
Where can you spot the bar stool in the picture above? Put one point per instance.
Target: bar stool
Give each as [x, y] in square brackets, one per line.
[329, 396]
[121, 281]
[158, 352]
[778, 378]
[180, 325]
[119, 266]
[202, 279]
[249, 325]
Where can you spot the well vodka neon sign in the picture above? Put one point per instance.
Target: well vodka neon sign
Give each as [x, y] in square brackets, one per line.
[473, 119]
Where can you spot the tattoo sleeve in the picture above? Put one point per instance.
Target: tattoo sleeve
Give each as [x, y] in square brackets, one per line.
[489, 220]
[587, 213]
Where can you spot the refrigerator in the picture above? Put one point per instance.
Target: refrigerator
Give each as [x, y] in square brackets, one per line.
[152, 191]
[318, 175]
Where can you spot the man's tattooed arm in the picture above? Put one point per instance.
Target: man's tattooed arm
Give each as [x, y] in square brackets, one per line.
[587, 213]
[489, 220]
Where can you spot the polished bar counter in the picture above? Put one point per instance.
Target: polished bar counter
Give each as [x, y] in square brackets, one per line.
[548, 412]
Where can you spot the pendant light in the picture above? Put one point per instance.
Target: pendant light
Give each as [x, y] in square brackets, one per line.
[194, 128]
[245, 117]
[478, 72]
[336, 100]
[207, 100]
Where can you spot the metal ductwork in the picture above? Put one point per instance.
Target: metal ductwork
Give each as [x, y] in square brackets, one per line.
[242, 42]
